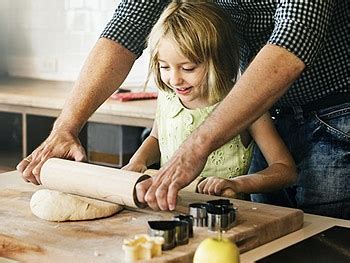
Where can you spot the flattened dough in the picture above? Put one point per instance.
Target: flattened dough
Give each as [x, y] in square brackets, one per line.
[57, 206]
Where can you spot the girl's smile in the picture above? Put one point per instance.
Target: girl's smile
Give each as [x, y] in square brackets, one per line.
[183, 91]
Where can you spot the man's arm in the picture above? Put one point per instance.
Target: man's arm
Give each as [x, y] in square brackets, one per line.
[269, 76]
[281, 171]
[104, 70]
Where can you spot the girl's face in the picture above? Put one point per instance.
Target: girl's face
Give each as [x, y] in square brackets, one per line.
[181, 75]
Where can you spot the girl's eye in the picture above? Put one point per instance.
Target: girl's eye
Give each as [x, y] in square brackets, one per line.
[188, 69]
[163, 67]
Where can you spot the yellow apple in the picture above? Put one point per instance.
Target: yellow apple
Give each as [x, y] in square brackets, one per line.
[213, 250]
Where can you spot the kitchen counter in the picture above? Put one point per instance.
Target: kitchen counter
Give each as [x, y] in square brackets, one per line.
[26, 238]
[46, 98]
[312, 225]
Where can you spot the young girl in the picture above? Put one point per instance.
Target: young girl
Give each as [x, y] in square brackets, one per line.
[194, 60]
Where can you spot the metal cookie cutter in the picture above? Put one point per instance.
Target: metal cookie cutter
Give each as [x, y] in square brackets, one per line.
[189, 219]
[165, 229]
[181, 232]
[199, 213]
[232, 209]
[220, 202]
[218, 217]
[220, 209]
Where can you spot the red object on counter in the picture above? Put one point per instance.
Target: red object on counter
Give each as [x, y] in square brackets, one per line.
[127, 96]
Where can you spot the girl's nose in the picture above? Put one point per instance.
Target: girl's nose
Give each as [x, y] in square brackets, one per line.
[175, 78]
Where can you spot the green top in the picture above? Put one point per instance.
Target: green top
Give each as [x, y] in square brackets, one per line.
[176, 123]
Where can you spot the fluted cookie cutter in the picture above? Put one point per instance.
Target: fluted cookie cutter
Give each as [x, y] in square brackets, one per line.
[218, 217]
[220, 210]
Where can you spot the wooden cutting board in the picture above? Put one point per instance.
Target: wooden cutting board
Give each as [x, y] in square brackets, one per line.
[27, 238]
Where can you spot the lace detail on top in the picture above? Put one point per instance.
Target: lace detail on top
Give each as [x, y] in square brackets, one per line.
[176, 123]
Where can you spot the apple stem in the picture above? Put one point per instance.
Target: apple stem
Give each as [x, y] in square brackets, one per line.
[220, 232]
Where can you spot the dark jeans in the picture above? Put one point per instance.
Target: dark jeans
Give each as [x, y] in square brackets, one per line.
[320, 144]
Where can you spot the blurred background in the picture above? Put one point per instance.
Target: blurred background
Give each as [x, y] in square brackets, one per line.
[51, 39]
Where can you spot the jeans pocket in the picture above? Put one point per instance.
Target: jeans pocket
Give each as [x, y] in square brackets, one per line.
[335, 121]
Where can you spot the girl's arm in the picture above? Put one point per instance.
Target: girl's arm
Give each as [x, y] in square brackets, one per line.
[147, 154]
[281, 171]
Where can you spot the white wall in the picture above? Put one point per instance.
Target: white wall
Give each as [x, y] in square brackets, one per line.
[50, 39]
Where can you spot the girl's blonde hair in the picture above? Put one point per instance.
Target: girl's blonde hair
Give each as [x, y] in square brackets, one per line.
[203, 32]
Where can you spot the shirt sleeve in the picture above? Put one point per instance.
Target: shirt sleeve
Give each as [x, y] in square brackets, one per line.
[301, 26]
[132, 22]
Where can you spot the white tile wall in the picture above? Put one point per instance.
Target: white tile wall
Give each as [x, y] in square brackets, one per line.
[51, 39]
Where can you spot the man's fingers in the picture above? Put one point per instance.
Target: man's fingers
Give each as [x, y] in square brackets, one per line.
[28, 175]
[157, 191]
[79, 154]
[37, 169]
[22, 165]
[32, 161]
[150, 196]
[174, 188]
[161, 197]
[151, 200]
[141, 189]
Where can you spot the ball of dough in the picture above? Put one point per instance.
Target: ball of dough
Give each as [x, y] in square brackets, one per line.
[57, 206]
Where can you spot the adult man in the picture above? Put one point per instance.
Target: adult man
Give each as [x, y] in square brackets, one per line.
[292, 53]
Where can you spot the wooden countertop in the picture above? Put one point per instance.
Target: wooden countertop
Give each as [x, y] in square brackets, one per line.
[43, 97]
[313, 224]
[27, 238]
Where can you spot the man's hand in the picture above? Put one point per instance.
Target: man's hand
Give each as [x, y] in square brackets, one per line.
[59, 144]
[160, 191]
[104, 70]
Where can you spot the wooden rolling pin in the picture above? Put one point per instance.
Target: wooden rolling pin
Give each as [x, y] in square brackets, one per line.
[104, 183]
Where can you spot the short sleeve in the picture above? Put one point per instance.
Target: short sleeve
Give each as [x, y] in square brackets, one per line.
[132, 22]
[301, 26]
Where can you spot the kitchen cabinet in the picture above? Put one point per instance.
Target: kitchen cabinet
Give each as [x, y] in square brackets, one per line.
[10, 140]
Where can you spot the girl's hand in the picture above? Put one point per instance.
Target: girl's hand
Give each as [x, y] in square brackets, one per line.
[218, 186]
[135, 167]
